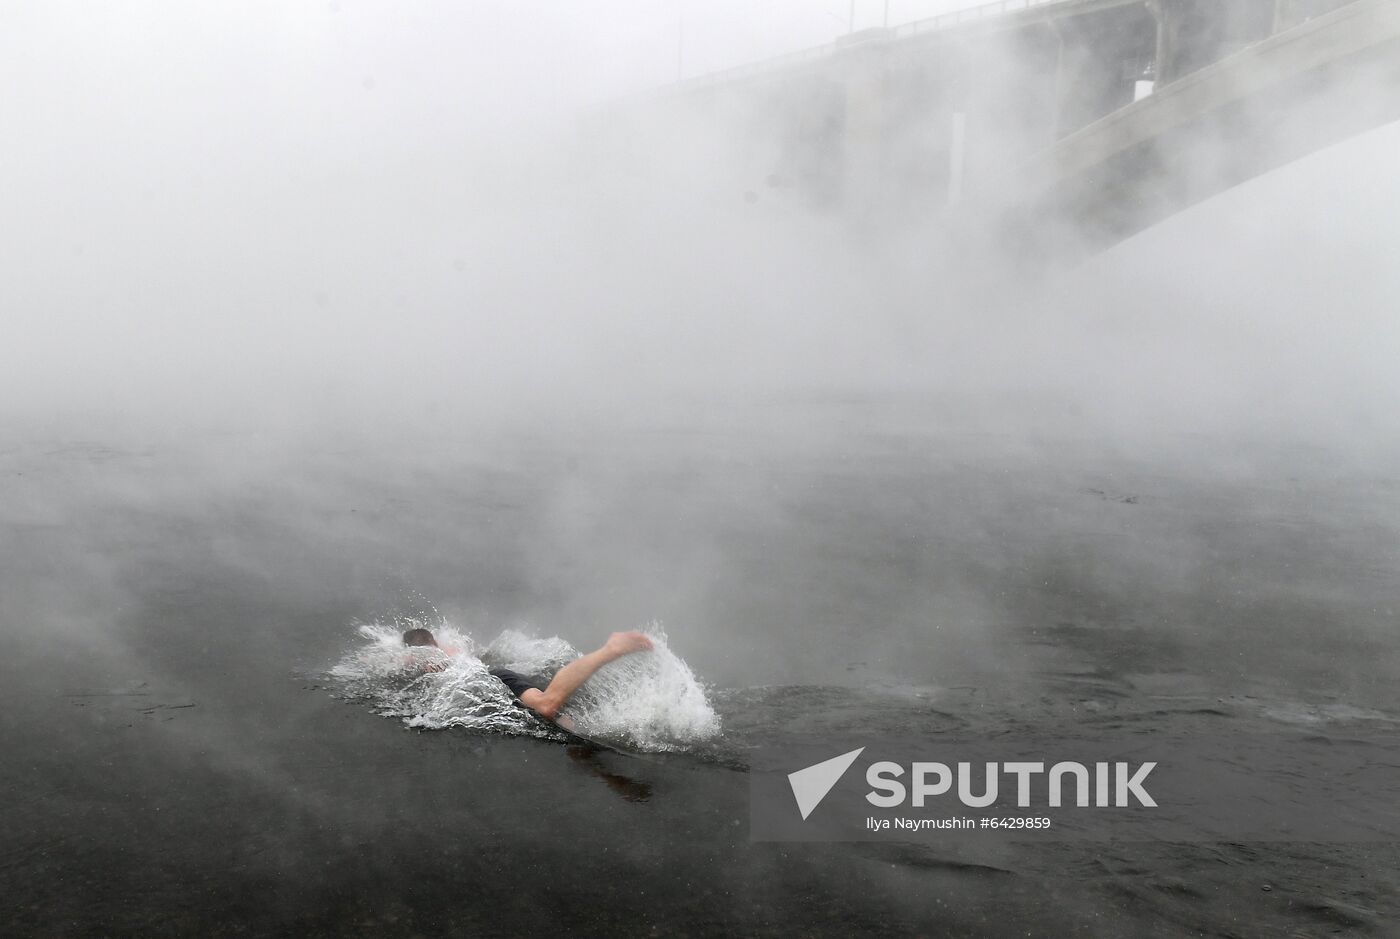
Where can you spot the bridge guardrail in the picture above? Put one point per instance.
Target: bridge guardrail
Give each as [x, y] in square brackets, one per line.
[967, 15]
[928, 24]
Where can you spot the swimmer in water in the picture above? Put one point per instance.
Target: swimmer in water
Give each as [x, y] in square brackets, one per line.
[548, 701]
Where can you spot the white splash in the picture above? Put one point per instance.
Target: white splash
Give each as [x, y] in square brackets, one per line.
[527, 655]
[651, 700]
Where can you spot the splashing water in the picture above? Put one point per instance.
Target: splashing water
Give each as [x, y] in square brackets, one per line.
[651, 701]
[428, 687]
[527, 655]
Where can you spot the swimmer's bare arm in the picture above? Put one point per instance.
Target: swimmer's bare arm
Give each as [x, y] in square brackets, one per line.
[570, 678]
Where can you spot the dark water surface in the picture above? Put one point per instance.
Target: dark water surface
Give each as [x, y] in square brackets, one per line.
[175, 762]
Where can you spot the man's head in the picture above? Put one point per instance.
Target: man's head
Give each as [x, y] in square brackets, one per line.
[419, 637]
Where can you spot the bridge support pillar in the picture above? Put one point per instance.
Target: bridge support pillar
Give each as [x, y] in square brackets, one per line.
[1192, 34]
[1007, 98]
[1101, 57]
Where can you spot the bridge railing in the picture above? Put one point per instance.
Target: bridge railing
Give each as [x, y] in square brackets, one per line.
[786, 60]
[926, 25]
[967, 15]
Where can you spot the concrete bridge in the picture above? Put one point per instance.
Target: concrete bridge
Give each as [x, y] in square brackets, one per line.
[1071, 124]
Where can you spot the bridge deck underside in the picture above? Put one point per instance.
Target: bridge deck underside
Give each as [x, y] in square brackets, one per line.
[1302, 91]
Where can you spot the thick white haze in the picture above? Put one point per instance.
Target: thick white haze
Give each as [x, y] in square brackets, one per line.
[285, 215]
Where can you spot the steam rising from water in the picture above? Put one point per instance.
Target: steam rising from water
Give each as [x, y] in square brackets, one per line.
[651, 701]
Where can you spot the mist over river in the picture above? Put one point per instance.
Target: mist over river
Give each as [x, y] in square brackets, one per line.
[324, 322]
[179, 760]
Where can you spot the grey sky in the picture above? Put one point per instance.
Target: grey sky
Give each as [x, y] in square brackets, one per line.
[278, 197]
[184, 181]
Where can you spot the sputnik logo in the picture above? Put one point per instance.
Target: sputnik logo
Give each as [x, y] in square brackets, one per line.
[810, 785]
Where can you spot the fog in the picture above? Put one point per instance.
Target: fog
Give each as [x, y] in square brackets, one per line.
[313, 224]
[324, 314]
[294, 216]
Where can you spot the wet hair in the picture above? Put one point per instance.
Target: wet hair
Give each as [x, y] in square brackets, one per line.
[418, 637]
